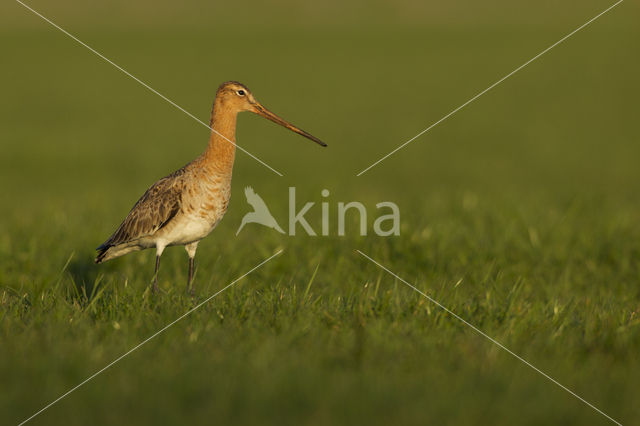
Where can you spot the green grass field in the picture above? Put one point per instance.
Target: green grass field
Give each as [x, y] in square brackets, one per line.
[520, 213]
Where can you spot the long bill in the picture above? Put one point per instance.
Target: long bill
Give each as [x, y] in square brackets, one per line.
[260, 110]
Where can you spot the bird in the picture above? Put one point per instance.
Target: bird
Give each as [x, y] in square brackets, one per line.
[185, 206]
[260, 213]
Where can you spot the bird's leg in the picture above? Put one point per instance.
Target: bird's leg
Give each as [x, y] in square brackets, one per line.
[159, 250]
[190, 287]
[155, 275]
[191, 251]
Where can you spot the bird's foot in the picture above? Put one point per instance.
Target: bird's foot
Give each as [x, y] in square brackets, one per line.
[191, 291]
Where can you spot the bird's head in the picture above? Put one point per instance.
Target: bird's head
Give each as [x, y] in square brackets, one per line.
[236, 96]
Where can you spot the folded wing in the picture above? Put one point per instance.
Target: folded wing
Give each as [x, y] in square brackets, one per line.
[159, 204]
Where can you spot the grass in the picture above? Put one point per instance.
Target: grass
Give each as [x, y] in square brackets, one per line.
[520, 214]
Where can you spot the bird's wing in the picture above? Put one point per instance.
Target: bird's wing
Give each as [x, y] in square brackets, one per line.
[255, 200]
[154, 209]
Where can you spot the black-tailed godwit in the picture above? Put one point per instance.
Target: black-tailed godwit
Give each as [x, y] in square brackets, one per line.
[184, 207]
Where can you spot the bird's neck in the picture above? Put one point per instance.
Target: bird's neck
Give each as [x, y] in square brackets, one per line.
[221, 151]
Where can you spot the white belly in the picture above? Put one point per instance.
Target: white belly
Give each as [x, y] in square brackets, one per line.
[188, 229]
[199, 215]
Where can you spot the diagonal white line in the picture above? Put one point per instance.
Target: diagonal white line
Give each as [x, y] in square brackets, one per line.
[482, 333]
[490, 87]
[149, 338]
[146, 86]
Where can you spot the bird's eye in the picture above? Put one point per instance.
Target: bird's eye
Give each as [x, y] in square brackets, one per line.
[240, 92]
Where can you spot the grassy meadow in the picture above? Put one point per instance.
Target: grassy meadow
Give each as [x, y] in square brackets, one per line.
[520, 213]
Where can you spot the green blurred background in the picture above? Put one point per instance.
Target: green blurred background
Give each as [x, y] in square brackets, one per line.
[536, 182]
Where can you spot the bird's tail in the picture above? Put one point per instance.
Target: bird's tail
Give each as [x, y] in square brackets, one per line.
[277, 227]
[102, 252]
